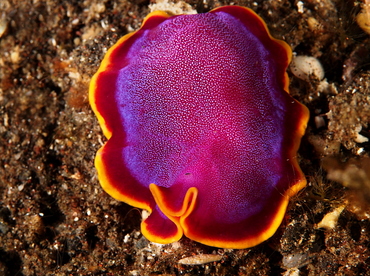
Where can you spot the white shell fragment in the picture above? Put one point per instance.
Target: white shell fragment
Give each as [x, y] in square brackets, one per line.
[330, 220]
[300, 6]
[200, 259]
[360, 138]
[305, 67]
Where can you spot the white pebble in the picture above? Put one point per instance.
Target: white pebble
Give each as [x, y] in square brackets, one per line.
[305, 67]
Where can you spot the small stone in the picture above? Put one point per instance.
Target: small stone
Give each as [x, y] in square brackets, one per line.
[304, 67]
[200, 259]
[330, 219]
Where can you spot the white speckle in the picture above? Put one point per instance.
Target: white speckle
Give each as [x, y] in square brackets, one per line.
[291, 272]
[129, 28]
[53, 42]
[15, 55]
[319, 122]
[17, 156]
[100, 7]
[360, 151]
[145, 214]
[300, 7]
[314, 25]
[127, 238]
[176, 245]
[74, 75]
[75, 21]
[104, 24]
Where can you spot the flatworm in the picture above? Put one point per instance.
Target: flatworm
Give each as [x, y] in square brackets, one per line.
[202, 131]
